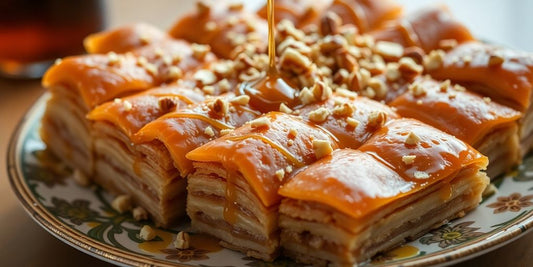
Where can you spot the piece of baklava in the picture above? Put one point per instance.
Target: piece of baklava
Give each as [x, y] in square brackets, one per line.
[299, 12]
[489, 127]
[232, 193]
[366, 15]
[504, 75]
[225, 26]
[429, 29]
[78, 84]
[407, 179]
[123, 39]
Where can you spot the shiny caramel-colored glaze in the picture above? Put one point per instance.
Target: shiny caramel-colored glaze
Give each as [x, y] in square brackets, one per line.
[123, 39]
[258, 153]
[463, 114]
[96, 80]
[425, 29]
[221, 24]
[366, 15]
[349, 136]
[509, 83]
[299, 12]
[350, 181]
[438, 154]
[185, 129]
[100, 78]
[268, 92]
[144, 107]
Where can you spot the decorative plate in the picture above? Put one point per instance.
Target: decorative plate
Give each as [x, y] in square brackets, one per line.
[82, 217]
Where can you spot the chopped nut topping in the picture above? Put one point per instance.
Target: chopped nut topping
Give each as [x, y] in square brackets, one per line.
[322, 148]
[182, 241]
[174, 73]
[240, 100]
[452, 95]
[219, 107]
[147, 233]
[151, 68]
[117, 100]
[487, 99]
[467, 59]
[496, 60]
[224, 85]
[392, 73]
[58, 61]
[112, 58]
[416, 53]
[364, 77]
[378, 86]
[200, 51]
[377, 118]
[293, 133]
[140, 214]
[409, 159]
[444, 86]
[209, 131]
[80, 178]
[225, 131]
[283, 108]
[210, 26]
[206, 77]
[122, 203]
[166, 104]
[434, 60]
[409, 66]
[321, 91]
[447, 44]
[288, 169]
[306, 96]
[262, 122]
[421, 175]
[412, 139]
[343, 110]
[127, 105]
[290, 142]
[319, 115]
[294, 61]
[416, 89]
[459, 88]
[209, 89]
[142, 61]
[388, 49]
[280, 174]
[346, 93]
[144, 39]
[352, 122]
[330, 23]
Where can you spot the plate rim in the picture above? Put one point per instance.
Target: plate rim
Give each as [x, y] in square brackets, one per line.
[83, 243]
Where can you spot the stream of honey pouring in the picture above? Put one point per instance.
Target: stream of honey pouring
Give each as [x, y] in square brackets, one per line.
[272, 81]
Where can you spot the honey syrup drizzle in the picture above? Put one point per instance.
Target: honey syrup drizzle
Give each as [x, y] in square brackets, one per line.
[215, 123]
[271, 40]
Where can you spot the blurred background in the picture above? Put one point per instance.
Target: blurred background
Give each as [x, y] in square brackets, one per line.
[24, 243]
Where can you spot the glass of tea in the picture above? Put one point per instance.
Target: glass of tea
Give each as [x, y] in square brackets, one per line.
[33, 33]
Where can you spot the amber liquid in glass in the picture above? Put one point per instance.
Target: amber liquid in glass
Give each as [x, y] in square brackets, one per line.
[33, 33]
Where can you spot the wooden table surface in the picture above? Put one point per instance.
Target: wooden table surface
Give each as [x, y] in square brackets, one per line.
[24, 243]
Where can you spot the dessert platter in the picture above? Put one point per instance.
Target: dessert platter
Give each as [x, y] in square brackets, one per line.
[332, 132]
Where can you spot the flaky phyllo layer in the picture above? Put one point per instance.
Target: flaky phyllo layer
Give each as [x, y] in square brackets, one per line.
[374, 128]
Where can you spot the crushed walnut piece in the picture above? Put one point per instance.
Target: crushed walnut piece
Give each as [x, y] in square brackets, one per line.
[321, 91]
[293, 61]
[225, 131]
[306, 96]
[408, 159]
[487, 99]
[330, 23]
[209, 131]
[388, 50]
[240, 100]
[352, 122]
[496, 60]
[322, 148]
[443, 87]
[376, 118]
[447, 44]
[319, 115]
[285, 109]
[421, 175]
[122, 203]
[262, 122]
[199, 51]
[127, 105]
[293, 133]
[346, 93]
[280, 174]
[139, 214]
[343, 110]
[408, 66]
[167, 104]
[182, 240]
[416, 89]
[412, 139]
[205, 77]
[220, 106]
[174, 73]
[288, 169]
[147, 233]
[113, 58]
[392, 72]
[434, 60]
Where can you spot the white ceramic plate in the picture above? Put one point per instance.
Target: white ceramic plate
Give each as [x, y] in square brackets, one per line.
[82, 217]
